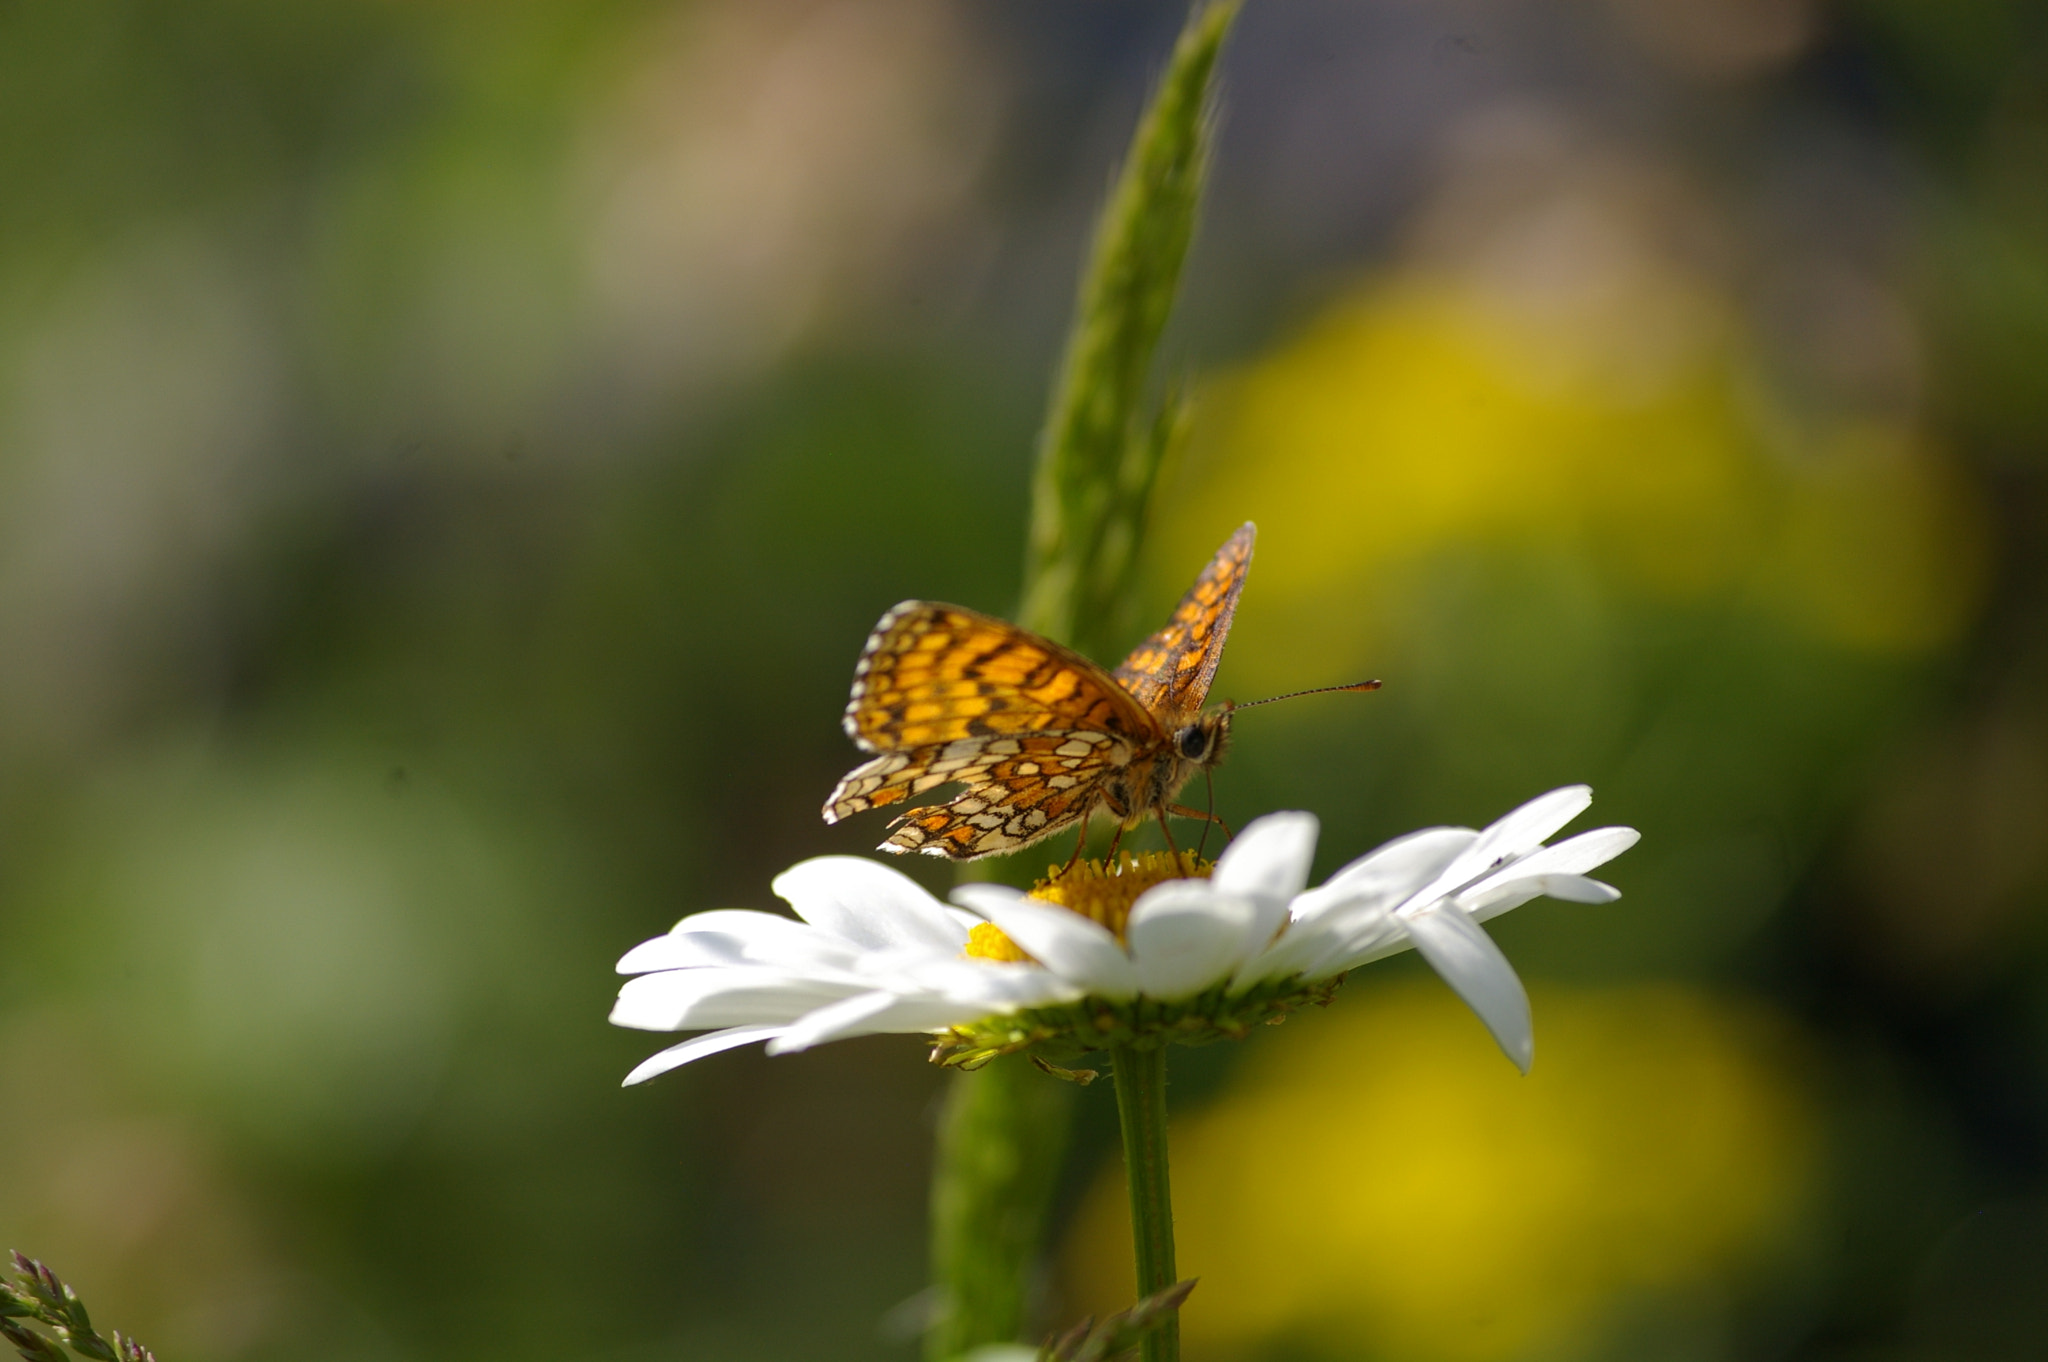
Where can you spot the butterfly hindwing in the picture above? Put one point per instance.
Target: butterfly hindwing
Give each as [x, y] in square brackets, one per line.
[1024, 789]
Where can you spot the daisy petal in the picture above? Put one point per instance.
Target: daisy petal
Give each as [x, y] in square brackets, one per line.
[985, 987]
[1577, 855]
[1185, 936]
[696, 1047]
[1305, 948]
[1518, 832]
[1414, 859]
[1375, 939]
[977, 897]
[868, 903]
[872, 1014]
[1529, 824]
[1384, 877]
[831, 1021]
[1268, 864]
[676, 951]
[1270, 858]
[1516, 890]
[1071, 946]
[1578, 889]
[1460, 951]
[739, 995]
[735, 936]
[1505, 898]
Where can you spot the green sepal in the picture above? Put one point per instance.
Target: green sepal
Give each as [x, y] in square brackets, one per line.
[1070, 1030]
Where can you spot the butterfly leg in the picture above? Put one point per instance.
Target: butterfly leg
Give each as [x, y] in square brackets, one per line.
[1115, 840]
[1080, 845]
[1081, 841]
[1171, 849]
[1185, 812]
[1208, 783]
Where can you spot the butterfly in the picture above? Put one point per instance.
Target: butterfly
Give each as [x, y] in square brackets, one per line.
[1040, 736]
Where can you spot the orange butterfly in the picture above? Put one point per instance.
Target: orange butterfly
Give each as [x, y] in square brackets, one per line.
[1040, 736]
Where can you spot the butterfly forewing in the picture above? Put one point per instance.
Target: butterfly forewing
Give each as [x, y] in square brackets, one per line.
[1169, 673]
[935, 674]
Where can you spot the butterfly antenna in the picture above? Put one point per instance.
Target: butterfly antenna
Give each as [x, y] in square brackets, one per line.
[1297, 694]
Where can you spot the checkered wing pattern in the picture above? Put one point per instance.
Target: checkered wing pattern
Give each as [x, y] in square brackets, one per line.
[946, 695]
[1018, 790]
[1169, 673]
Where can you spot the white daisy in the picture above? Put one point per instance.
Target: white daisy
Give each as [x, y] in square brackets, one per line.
[1102, 955]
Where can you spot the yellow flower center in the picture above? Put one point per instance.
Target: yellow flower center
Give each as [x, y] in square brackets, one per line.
[985, 941]
[1097, 891]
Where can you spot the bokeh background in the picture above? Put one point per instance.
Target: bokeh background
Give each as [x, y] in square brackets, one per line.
[450, 456]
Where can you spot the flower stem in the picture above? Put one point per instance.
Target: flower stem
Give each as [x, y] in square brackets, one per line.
[1001, 1140]
[1099, 456]
[1141, 1109]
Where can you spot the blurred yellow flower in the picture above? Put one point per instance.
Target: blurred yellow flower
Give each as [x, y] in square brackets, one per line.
[1379, 1186]
[1433, 412]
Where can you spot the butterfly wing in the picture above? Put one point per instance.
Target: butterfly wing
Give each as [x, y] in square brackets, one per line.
[946, 695]
[1169, 673]
[1018, 790]
[935, 674]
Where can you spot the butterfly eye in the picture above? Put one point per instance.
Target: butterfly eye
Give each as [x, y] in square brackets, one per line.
[1193, 742]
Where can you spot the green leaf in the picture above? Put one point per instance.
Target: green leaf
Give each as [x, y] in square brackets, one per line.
[43, 1297]
[32, 1346]
[1099, 455]
[1098, 1341]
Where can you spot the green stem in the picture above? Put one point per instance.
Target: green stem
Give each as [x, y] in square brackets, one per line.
[1141, 1109]
[1006, 1127]
[1000, 1143]
[1100, 454]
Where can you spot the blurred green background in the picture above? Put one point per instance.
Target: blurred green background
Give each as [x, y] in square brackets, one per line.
[450, 456]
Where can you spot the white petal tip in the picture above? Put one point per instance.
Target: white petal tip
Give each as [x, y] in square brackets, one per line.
[1518, 1045]
[1294, 820]
[650, 1069]
[1270, 856]
[1576, 889]
[710, 1043]
[1520, 1050]
[973, 897]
